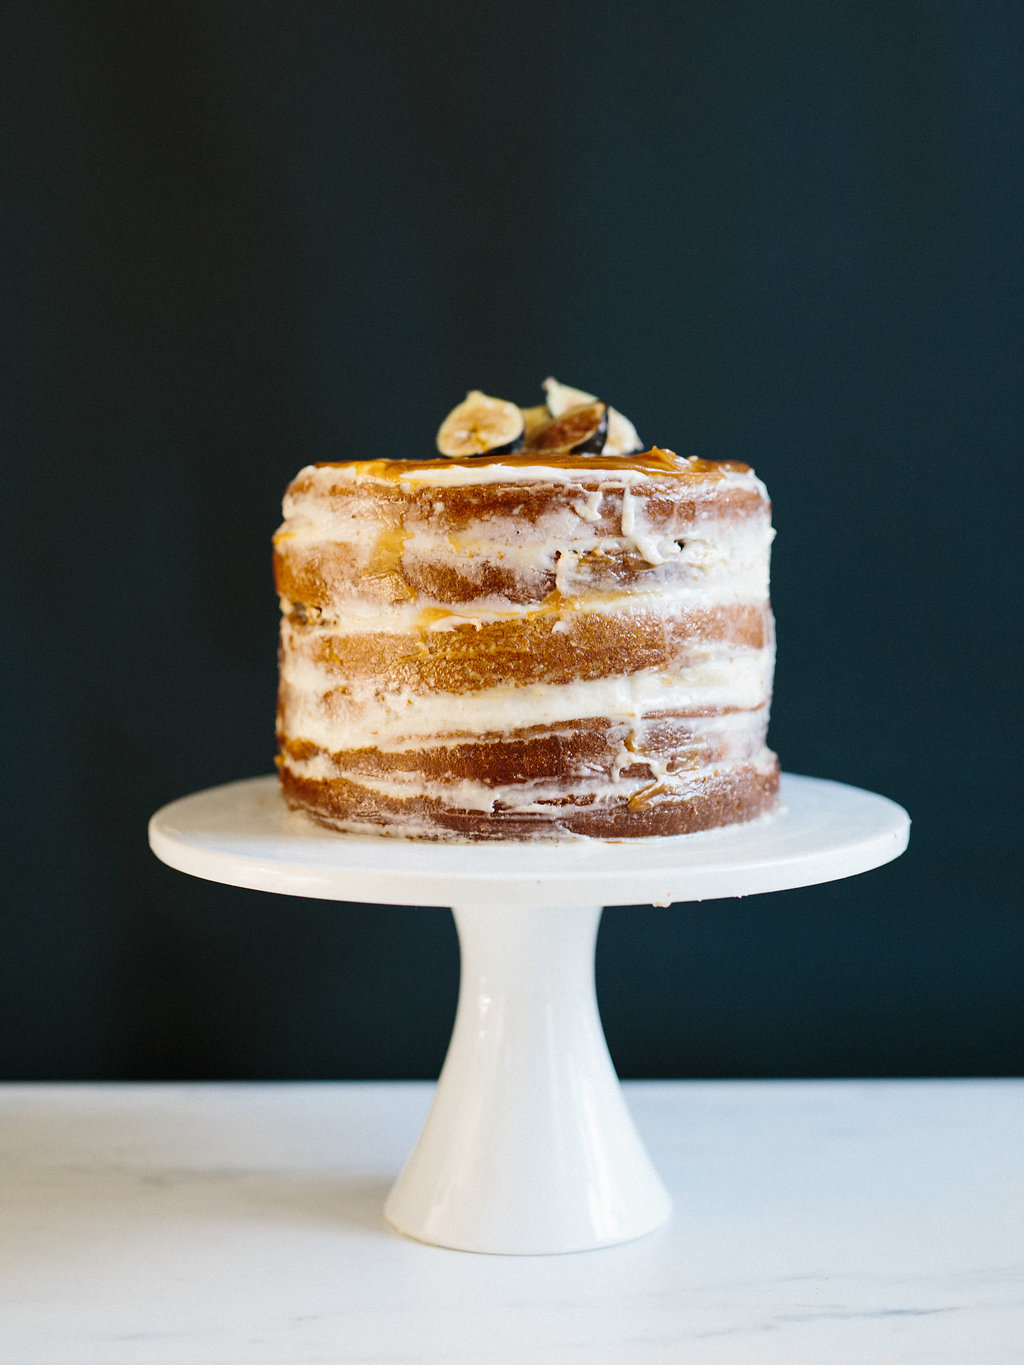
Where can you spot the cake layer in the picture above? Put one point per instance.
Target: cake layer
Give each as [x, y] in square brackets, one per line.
[601, 747]
[659, 807]
[662, 492]
[349, 714]
[551, 647]
[448, 571]
[352, 532]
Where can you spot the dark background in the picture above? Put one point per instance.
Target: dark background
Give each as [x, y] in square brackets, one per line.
[238, 237]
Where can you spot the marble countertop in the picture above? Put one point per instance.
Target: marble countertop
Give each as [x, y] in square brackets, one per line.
[845, 1222]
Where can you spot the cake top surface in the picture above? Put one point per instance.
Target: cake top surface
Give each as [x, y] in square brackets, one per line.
[571, 434]
[524, 462]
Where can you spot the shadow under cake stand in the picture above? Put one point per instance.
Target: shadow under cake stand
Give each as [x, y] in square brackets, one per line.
[529, 1146]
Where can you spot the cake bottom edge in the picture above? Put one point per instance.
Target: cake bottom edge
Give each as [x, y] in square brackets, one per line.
[734, 796]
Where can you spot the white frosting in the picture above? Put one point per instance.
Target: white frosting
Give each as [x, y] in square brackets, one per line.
[743, 545]
[362, 714]
[588, 507]
[673, 600]
[522, 796]
[321, 478]
[717, 566]
[731, 736]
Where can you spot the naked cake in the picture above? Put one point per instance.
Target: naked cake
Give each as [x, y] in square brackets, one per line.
[546, 631]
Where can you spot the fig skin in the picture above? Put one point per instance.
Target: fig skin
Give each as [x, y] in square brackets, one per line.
[481, 425]
[581, 430]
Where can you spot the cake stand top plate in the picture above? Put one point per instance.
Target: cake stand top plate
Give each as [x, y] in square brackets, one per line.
[243, 834]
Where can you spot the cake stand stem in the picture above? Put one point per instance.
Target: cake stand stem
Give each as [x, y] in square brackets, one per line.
[529, 1146]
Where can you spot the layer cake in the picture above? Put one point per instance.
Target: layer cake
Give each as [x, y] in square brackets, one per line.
[521, 645]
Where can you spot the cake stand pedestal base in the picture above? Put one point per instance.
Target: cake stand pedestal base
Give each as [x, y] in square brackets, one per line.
[529, 1146]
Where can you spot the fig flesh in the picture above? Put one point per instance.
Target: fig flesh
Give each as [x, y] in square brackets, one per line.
[622, 437]
[534, 419]
[581, 430]
[560, 397]
[481, 425]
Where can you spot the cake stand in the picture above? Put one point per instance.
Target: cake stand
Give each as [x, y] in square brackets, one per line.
[529, 1146]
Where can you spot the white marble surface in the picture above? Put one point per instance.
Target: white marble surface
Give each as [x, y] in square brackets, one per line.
[824, 1222]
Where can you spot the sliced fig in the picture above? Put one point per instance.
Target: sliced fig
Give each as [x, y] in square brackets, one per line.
[580, 431]
[481, 425]
[535, 418]
[560, 397]
[622, 437]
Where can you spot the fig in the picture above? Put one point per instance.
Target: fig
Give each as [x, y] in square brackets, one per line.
[481, 425]
[560, 397]
[535, 418]
[581, 430]
[622, 438]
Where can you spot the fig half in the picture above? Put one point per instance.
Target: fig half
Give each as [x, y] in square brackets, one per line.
[580, 431]
[534, 419]
[622, 438]
[481, 425]
[560, 397]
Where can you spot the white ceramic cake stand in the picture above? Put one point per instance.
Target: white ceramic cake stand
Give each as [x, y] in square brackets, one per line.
[528, 1147]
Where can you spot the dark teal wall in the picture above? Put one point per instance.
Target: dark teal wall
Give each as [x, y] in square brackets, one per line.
[239, 237]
